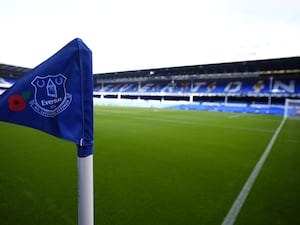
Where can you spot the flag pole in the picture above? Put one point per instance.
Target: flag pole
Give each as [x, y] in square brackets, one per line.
[64, 82]
[85, 190]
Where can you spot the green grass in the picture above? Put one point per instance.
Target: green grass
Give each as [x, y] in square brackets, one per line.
[154, 167]
[275, 198]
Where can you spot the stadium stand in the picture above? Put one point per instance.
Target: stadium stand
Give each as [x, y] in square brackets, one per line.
[259, 86]
[9, 74]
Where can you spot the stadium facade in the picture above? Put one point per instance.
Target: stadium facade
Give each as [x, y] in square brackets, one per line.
[245, 86]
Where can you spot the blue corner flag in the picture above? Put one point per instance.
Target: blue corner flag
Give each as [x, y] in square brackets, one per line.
[56, 97]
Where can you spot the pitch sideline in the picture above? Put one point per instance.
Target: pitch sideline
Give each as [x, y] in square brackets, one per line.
[238, 203]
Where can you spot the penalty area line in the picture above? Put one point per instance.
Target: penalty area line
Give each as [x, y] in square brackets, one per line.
[238, 203]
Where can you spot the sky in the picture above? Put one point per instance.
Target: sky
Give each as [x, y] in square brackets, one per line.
[147, 34]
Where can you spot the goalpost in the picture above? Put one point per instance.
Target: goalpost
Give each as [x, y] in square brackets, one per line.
[292, 109]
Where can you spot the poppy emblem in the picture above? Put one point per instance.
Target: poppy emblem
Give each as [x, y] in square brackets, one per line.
[16, 103]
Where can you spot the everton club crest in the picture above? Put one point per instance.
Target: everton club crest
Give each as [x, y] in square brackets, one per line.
[50, 96]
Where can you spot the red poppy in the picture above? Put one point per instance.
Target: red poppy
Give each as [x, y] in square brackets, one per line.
[16, 103]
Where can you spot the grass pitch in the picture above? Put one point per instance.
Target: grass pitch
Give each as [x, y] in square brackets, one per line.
[154, 167]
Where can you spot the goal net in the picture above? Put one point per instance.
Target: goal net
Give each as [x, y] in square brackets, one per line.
[292, 109]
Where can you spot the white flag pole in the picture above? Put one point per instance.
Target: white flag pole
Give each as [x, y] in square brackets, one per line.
[85, 190]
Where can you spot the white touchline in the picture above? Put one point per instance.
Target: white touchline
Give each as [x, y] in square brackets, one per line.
[202, 123]
[238, 203]
[234, 116]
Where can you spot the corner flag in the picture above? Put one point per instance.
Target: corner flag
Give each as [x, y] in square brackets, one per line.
[56, 97]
